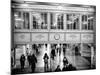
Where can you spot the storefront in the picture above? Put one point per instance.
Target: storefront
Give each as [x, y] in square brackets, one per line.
[40, 28]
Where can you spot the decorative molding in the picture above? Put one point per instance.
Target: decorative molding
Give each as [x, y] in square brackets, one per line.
[21, 37]
[39, 37]
[58, 7]
[71, 37]
[87, 38]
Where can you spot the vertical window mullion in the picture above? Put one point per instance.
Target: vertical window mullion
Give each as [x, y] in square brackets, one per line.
[93, 23]
[51, 20]
[64, 22]
[22, 17]
[87, 21]
[24, 20]
[80, 22]
[72, 22]
[30, 21]
[48, 21]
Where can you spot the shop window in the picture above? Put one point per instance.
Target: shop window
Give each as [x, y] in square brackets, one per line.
[39, 20]
[56, 21]
[87, 22]
[72, 21]
[21, 20]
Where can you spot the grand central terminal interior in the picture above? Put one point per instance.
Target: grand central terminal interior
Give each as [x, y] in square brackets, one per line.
[56, 29]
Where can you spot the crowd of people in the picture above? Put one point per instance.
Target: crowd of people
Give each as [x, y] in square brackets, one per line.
[55, 52]
[32, 60]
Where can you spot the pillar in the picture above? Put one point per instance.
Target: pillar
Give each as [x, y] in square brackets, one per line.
[92, 56]
[48, 21]
[65, 22]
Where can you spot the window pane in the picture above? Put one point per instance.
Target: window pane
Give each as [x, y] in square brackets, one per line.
[90, 21]
[84, 22]
[84, 18]
[76, 22]
[26, 20]
[51, 20]
[39, 20]
[69, 21]
[18, 20]
[21, 20]
[87, 22]
[60, 21]
[56, 21]
[72, 21]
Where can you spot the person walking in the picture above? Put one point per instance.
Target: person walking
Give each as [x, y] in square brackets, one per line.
[12, 61]
[33, 62]
[64, 51]
[46, 57]
[29, 59]
[77, 51]
[22, 61]
[53, 54]
[65, 61]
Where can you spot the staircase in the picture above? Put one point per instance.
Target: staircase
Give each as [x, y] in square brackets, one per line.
[82, 63]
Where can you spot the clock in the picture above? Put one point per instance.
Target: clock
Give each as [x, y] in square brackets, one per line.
[56, 36]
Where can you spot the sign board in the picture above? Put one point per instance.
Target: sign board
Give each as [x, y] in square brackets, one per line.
[73, 37]
[21, 37]
[39, 37]
[87, 38]
[56, 37]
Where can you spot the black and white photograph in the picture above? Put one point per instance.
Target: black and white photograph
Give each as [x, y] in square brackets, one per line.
[52, 37]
